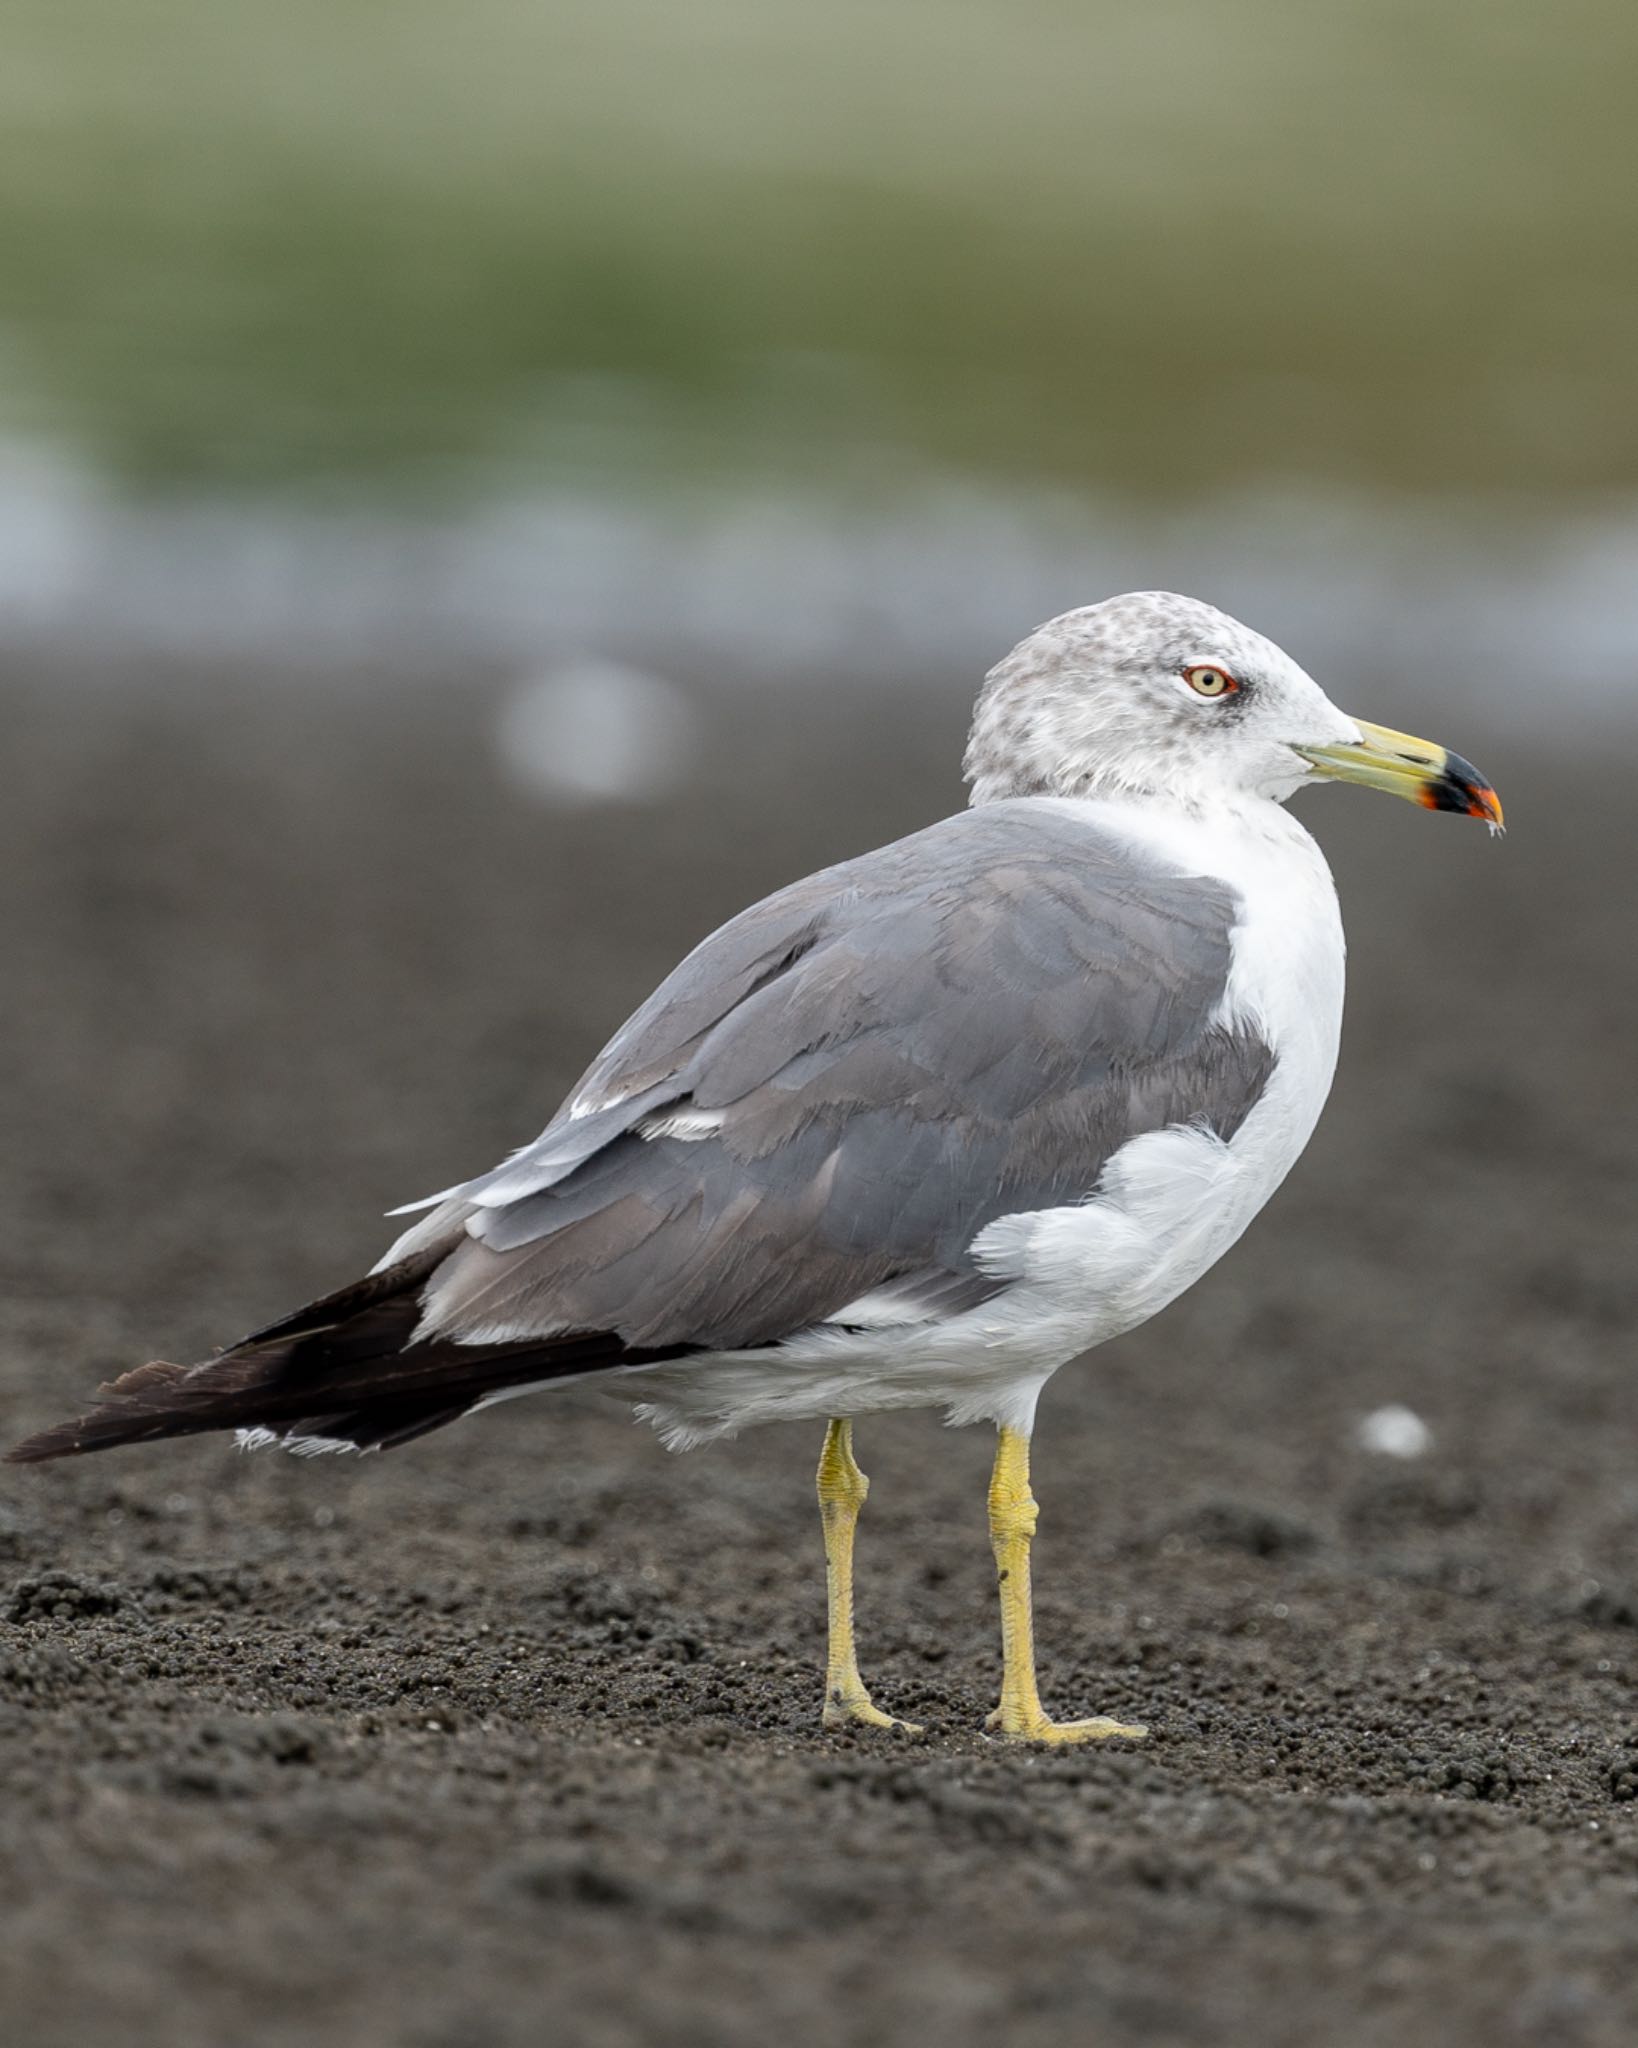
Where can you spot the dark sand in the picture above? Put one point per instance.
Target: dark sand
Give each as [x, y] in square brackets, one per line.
[512, 1737]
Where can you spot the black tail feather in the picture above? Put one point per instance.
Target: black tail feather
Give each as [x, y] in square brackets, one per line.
[346, 1368]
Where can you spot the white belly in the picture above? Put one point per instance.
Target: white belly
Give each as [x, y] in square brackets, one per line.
[1165, 1209]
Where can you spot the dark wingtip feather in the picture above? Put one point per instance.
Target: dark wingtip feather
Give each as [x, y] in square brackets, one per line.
[355, 1380]
[128, 1410]
[374, 1315]
[35, 1450]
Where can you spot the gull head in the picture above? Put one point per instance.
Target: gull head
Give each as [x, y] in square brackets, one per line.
[1157, 697]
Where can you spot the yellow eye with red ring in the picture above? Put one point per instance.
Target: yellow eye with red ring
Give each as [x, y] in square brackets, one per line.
[1206, 679]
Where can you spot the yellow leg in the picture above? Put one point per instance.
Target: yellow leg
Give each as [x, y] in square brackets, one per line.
[842, 1490]
[1013, 1515]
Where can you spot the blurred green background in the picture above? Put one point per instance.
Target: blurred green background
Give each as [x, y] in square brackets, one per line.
[404, 247]
[760, 339]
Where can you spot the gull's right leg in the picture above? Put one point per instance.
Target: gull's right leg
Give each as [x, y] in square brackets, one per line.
[842, 1490]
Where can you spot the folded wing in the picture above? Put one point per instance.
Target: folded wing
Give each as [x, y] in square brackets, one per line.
[842, 1088]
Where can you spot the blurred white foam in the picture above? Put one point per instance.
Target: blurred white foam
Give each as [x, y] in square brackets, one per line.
[1532, 613]
[595, 731]
[1395, 1432]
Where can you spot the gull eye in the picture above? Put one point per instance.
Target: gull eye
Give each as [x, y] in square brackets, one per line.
[1206, 679]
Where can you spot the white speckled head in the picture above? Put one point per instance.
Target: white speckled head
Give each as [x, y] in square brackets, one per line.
[1148, 695]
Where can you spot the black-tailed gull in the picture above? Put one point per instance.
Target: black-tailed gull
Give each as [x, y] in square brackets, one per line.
[916, 1131]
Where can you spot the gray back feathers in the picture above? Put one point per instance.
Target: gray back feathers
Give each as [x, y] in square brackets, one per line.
[845, 1084]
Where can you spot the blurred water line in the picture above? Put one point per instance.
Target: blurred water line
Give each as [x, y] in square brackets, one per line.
[1134, 247]
[1539, 616]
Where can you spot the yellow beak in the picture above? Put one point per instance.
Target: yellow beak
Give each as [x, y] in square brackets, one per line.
[1428, 775]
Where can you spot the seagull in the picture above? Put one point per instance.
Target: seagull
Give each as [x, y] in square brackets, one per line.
[915, 1131]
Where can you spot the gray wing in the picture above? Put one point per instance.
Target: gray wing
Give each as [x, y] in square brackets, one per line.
[842, 1087]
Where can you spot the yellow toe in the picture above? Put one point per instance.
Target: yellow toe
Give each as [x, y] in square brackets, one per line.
[1037, 1728]
[841, 1708]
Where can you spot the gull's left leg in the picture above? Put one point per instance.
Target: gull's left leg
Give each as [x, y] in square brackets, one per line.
[842, 1490]
[1013, 1515]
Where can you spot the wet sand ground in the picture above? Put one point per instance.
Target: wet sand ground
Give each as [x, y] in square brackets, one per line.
[511, 1737]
